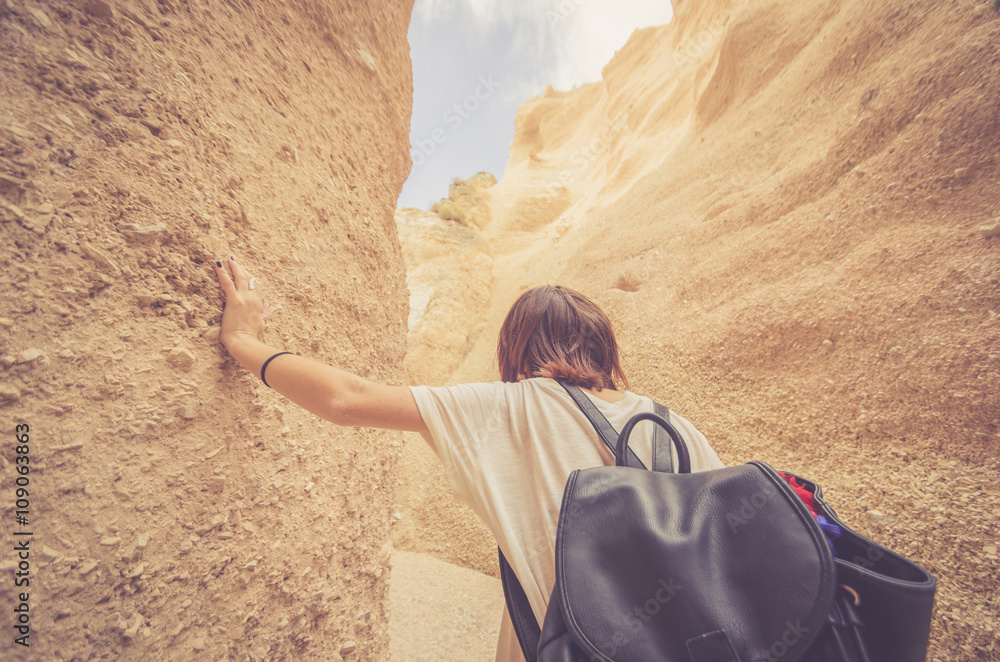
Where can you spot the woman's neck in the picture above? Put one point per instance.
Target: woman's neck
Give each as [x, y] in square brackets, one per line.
[608, 394]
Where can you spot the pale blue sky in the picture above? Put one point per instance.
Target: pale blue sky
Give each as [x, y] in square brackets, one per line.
[476, 61]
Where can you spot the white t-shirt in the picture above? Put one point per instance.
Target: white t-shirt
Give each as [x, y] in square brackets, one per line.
[508, 449]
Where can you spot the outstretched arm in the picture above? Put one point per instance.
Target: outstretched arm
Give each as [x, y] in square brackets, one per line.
[328, 392]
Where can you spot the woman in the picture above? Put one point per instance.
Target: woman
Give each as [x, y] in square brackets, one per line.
[507, 447]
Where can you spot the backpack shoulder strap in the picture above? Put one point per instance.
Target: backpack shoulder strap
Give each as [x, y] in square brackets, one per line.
[600, 423]
[663, 459]
[525, 626]
[521, 616]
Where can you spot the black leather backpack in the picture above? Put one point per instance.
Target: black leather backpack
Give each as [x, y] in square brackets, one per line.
[727, 565]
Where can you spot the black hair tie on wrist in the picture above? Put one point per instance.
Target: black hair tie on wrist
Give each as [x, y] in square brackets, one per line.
[264, 367]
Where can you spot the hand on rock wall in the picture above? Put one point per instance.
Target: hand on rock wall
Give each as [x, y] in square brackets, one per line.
[245, 313]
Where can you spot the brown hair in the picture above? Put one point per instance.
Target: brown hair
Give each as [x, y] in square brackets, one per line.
[553, 331]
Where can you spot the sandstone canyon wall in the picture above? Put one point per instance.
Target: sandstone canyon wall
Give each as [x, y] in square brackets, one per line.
[790, 211]
[449, 265]
[180, 509]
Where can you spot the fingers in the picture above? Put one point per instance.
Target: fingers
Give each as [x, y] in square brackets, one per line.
[227, 283]
[240, 276]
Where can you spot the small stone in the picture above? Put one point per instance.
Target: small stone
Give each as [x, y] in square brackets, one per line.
[181, 358]
[189, 410]
[139, 569]
[988, 231]
[16, 211]
[142, 233]
[9, 394]
[154, 125]
[42, 18]
[88, 565]
[136, 624]
[177, 145]
[348, 648]
[878, 517]
[962, 174]
[29, 355]
[97, 109]
[18, 184]
[6, 321]
[110, 541]
[20, 131]
[97, 256]
[367, 60]
[98, 8]
[66, 354]
[134, 551]
[214, 524]
[49, 554]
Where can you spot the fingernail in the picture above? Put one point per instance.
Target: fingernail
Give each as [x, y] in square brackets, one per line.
[218, 264]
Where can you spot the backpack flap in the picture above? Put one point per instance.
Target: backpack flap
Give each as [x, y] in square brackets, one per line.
[719, 566]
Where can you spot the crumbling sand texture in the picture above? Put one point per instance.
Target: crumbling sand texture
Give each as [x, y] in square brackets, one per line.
[180, 509]
[790, 211]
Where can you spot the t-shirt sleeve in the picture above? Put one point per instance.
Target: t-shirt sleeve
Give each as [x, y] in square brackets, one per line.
[458, 419]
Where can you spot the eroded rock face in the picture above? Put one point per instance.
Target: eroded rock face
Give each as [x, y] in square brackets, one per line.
[450, 279]
[449, 276]
[179, 508]
[788, 213]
